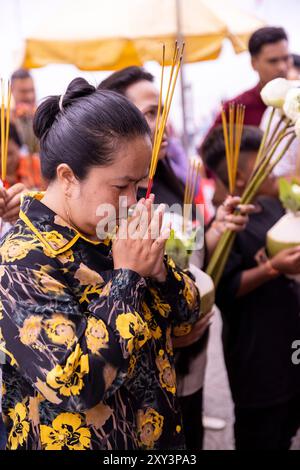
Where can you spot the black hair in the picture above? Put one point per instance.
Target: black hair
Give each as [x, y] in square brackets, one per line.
[263, 36]
[83, 128]
[296, 60]
[14, 135]
[119, 81]
[213, 149]
[20, 74]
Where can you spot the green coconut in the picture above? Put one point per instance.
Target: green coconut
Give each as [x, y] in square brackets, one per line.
[286, 232]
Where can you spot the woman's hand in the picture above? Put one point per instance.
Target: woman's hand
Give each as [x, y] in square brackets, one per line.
[226, 218]
[3, 199]
[195, 334]
[13, 202]
[140, 243]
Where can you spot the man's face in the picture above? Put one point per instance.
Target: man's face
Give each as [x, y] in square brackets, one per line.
[273, 61]
[145, 96]
[23, 91]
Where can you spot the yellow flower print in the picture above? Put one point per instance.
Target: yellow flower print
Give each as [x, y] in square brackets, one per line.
[66, 257]
[155, 329]
[55, 240]
[15, 249]
[66, 433]
[20, 429]
[30, 330]
[68, 379]
[182, 330]
[150, 425]
[60, 329]
[47, 283]
[132, 328]
[95, 290]
[96, 335]
[171, 263]
[163, 308]
[167, 375]
[189, 291]
[132, 364]
[87, 276]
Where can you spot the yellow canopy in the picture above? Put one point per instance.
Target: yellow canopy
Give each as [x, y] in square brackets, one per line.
[110, 34]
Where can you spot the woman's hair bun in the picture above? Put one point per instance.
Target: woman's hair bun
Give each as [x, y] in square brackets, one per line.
[50, 108]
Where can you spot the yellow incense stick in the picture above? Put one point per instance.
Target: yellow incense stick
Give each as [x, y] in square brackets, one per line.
[161, 121]
[2, 129]
[193, 174]
[232, 138]
[5, 120]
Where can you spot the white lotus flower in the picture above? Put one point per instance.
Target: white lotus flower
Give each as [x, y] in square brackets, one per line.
[275, 91]
[291, 105]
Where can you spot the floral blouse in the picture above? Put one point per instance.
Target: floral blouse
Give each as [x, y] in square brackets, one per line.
[89, 360]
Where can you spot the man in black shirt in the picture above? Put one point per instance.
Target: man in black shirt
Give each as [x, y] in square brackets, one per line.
[261, 316]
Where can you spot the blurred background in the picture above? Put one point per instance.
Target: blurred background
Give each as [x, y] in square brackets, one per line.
[206, 82]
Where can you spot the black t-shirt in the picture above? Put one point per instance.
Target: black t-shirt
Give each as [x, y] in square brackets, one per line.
[260, 327]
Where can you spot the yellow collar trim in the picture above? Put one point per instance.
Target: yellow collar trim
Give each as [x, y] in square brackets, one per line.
[67, 246]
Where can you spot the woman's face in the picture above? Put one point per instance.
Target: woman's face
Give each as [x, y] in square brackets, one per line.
[97, 198]
[145, 96]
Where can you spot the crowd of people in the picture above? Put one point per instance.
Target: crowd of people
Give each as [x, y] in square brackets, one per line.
[103, 340]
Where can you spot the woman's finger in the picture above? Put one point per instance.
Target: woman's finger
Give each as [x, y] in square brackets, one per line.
[154, 229]
[237, 219]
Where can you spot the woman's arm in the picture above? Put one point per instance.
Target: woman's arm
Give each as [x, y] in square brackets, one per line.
[73, 358]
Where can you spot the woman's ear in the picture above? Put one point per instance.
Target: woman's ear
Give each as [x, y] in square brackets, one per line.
[66, 178]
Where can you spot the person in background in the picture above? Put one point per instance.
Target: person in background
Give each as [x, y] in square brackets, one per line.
[260, 309]
[294, 71]
[138, 86]
[270, 58]
[24, 97]
[289, 165]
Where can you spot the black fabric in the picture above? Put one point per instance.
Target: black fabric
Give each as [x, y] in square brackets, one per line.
[191, 409]
[260, 327]
[2, 434]
[270, 428]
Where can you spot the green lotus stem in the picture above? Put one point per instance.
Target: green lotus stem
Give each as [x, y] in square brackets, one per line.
[264, 164]
[220, 256]
[224, 259]
[267, 156]
[275, 131]
[264, 139]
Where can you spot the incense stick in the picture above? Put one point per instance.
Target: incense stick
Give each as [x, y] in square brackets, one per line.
[193, 174]
[232, 137]
[161, 120]
[5, 120]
